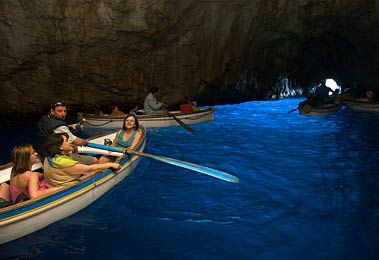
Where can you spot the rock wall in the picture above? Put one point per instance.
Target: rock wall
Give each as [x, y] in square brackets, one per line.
[91, 52]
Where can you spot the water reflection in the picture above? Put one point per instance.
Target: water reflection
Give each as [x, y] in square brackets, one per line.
[308, 190]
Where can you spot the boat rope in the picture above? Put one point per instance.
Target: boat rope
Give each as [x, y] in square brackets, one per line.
[110, 121]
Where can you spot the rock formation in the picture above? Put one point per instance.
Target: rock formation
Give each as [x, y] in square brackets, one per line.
[90, 52]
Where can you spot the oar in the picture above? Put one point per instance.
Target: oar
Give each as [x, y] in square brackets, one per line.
[292, 110]
[187, 165]
[78, 125]
[180, 122]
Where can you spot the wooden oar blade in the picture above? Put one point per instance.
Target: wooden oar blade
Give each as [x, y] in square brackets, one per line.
[191, 166]
[180, 122]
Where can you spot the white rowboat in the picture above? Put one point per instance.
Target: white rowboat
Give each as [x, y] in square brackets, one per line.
[363, 106]
[27, 217]
[148, 121]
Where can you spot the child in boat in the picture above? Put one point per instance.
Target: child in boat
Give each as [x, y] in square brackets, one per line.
[60, 169]
[128, 137]
[24, 183]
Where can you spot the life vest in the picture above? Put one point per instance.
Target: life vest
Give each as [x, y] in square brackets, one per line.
[57, 177]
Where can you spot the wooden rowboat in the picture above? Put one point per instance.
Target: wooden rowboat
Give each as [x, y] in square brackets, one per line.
[148, 121]
[26, 217]
[362, 106]
[308, 110]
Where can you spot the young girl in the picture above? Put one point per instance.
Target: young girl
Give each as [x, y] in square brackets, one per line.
[23, 181]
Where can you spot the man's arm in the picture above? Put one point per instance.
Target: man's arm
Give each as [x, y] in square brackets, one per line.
[153, 103]
[71, 137]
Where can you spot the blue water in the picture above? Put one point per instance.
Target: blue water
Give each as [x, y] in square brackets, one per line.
[308, 190]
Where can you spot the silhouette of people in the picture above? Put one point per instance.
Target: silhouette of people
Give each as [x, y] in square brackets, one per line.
[322, 93]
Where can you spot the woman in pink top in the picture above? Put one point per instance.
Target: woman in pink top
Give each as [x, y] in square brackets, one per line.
[23, 180]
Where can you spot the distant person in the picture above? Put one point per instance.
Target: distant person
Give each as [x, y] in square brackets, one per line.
[370, 95]
[133, 109]
[98, 110]
[115, 111]
[355, 91]
[25, 184]
[60, 169]
[322, 93]
[5, 197]
[128, 137]
[55, 122]
[151, 105]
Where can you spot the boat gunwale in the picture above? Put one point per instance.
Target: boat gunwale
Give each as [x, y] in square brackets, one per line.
[141, 117]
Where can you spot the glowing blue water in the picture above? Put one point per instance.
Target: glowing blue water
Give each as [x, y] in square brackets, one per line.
[308, 190]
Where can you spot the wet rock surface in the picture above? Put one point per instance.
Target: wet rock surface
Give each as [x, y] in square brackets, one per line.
[90, 53]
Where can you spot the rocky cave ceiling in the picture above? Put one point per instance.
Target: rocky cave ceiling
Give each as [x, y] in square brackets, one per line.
[91, 52]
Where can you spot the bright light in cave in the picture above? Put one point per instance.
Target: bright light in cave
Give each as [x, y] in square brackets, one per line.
[332, 84]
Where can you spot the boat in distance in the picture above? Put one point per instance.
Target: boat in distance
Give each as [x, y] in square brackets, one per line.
[23, 218]
[308, 110]
[108, 121]
[362, 106]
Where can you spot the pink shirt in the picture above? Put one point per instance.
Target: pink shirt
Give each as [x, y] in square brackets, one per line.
[15, 192]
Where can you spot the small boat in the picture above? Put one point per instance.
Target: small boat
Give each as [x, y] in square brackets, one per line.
[362, 106]
[326, 109]
[23, 218]
[107, 121]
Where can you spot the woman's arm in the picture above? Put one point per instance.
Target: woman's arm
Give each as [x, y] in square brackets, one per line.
[83, 168]
[33, 187]
[136, 139]
[114, 142]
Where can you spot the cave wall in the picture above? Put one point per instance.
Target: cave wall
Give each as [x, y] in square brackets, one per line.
[89, 52]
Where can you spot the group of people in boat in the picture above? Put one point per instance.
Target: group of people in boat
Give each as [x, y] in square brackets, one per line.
[57, 150]
[151, 106]
[324, 95]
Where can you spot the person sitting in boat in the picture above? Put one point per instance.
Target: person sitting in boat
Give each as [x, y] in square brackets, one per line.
[115, 111]
[322, 93]
[128, 137]
[5, 198]
[60, 169]
[24, 183]
[355, 92]
[55, 122]
[135, 110]
[151, 105]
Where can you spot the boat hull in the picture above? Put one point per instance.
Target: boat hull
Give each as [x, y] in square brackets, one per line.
[27, 217]
[148, 121]
[307, 110]
[363, 106]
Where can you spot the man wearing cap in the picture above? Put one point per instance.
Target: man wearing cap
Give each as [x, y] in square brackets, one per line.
[54, 122]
